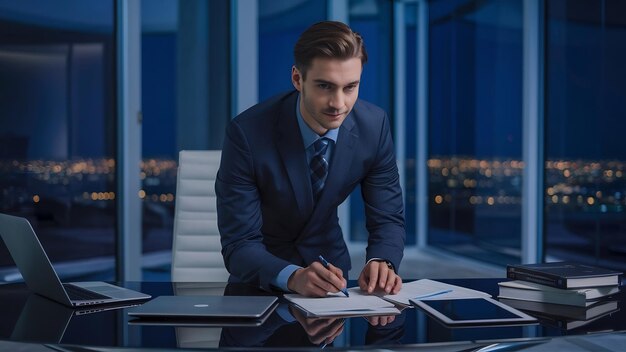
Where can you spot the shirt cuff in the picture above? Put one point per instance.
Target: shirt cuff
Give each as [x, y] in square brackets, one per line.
[283, 276]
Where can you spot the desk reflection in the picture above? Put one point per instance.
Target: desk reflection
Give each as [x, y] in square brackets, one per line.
[198, 337]
[279, 331]
[30, 318]
[43, 320]
[289, 327]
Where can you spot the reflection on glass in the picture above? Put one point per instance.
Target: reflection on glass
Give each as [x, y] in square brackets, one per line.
[288, 327]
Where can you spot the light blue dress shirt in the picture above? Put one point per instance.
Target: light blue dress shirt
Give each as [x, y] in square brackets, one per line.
[308, 137]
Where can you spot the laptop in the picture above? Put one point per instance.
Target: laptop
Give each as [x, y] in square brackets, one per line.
[39, 275]
[223, 310]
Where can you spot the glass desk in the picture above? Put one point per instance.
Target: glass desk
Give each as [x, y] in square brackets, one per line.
[26, 317]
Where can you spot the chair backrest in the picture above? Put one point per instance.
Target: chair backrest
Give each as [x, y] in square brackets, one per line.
[196, 248]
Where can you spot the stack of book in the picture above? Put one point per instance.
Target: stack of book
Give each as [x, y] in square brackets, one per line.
[545, 290]
[563, 316]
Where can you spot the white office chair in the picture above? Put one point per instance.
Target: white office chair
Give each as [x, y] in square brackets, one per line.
[196, 248]
[197, 263]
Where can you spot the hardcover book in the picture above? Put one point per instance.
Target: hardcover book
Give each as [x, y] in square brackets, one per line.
[529, 291]
[561, 316]
[564, 274]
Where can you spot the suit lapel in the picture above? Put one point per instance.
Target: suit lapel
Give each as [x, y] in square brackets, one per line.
[291, 149]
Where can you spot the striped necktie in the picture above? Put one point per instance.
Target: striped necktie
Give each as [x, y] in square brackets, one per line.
[319, 166]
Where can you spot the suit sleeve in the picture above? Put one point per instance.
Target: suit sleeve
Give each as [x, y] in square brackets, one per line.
[239, 214]
[384, 208]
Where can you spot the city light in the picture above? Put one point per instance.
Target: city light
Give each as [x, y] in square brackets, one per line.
[456, 180]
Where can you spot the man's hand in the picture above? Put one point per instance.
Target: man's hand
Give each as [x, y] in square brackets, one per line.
[378, 276]
[319, 330]
[316, 281]
[381, 320]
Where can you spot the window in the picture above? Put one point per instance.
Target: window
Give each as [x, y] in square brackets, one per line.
[186, 105]
[280, 26]
[475, 92]
[57, 129]
[372, 19]
[585, 184]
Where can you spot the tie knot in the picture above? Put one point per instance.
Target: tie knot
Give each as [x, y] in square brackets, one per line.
[321, 144]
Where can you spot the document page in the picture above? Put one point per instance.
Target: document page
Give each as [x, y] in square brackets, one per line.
[358, 304]
[426, 289]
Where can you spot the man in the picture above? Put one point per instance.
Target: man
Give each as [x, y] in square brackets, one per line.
[289, 162]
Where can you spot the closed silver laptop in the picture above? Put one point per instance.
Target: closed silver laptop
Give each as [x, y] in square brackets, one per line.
[39, 275]
[233, 307]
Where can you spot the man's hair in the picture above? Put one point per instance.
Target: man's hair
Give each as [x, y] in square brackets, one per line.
[328, 39]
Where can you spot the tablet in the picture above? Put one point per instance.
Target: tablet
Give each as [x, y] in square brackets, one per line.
[473, 312]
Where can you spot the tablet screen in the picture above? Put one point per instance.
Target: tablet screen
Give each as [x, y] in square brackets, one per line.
[473, 311]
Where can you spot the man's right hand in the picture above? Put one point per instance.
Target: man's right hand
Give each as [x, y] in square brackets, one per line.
[319, 330]
[316, 281]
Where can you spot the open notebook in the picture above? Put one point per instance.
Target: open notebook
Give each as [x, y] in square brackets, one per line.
[338, 305]
[360, 303]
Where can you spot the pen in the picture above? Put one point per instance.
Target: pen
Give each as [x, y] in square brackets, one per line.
[326, 264]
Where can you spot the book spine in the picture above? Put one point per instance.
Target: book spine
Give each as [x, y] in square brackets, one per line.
[539, 278]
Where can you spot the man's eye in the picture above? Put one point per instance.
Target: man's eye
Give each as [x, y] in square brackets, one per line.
[350, 88]
[324, 86]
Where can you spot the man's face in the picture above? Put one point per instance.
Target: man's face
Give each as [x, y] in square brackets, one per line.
[329, 91]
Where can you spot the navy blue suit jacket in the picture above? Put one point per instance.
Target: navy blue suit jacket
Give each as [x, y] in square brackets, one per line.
[266, 213]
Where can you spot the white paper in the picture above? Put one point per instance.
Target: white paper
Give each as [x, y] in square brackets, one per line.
[426, 289]
[358, 304]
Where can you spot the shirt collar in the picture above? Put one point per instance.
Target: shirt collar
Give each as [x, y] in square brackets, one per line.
[308, 135]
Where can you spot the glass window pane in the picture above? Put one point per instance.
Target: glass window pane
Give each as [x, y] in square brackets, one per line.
[57, 129]
[475, 92]
[372, 19]
[280, 24]
[585, 196]
[185, 103]
[159, 29]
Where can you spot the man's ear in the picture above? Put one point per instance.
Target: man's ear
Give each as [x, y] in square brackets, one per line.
[296, 78]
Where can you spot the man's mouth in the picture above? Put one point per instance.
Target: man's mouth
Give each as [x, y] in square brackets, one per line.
[333, 114]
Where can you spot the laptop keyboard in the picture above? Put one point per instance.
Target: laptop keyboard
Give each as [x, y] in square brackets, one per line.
[80, 294]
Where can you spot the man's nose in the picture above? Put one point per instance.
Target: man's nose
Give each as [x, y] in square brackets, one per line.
[337, 101]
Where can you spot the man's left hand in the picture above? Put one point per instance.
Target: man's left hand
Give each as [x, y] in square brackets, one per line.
[378, 275]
